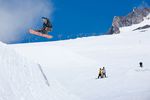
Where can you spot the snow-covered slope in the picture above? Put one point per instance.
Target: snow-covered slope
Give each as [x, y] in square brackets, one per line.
[75, 64]
[135, 26]
[21, 79]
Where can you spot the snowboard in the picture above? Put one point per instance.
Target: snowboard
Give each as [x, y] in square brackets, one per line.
[31, 31]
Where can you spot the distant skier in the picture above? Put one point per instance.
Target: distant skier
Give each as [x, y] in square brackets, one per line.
[141, 64]
[100, 73]
[47, 26]
[104, 72]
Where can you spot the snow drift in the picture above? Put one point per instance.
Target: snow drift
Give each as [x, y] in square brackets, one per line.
[21, 79]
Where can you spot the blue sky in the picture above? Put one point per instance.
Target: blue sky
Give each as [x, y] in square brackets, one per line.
[77, 16]
[88, 16]
[69, 16]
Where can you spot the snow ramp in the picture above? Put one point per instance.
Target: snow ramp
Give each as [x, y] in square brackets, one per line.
[21, 79]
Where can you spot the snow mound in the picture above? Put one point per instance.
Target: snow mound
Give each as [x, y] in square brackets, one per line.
[21, 79]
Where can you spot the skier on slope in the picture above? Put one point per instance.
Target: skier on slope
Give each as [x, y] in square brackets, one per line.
[47, 26]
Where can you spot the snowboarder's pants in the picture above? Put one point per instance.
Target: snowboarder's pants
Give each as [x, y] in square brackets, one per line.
[43, 31]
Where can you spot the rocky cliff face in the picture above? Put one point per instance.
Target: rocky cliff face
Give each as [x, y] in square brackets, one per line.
[135, 17]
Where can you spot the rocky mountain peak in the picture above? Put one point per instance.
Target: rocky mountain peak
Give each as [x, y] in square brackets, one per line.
[134, 17]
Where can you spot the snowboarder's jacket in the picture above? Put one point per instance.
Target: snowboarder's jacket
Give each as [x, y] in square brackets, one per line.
[47, 26]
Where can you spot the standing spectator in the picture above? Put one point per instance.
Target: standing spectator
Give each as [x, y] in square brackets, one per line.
[100, 73]
[141, 64]
[104, 72]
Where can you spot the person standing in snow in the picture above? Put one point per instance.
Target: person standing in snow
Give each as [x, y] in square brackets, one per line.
[141, 64]
[100, 73]
[104, 72]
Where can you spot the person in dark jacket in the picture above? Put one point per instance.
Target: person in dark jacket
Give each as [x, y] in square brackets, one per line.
[141, 64]
[47, 26]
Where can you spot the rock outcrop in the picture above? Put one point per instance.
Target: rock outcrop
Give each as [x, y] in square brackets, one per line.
[135, 17]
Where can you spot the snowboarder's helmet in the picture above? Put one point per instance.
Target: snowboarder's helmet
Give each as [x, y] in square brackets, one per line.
[44, 19]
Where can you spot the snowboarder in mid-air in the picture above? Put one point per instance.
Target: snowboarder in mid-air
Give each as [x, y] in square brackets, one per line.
[47, 27]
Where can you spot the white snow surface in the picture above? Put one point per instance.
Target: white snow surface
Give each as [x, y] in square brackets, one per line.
[21, 79]
[74, 64]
